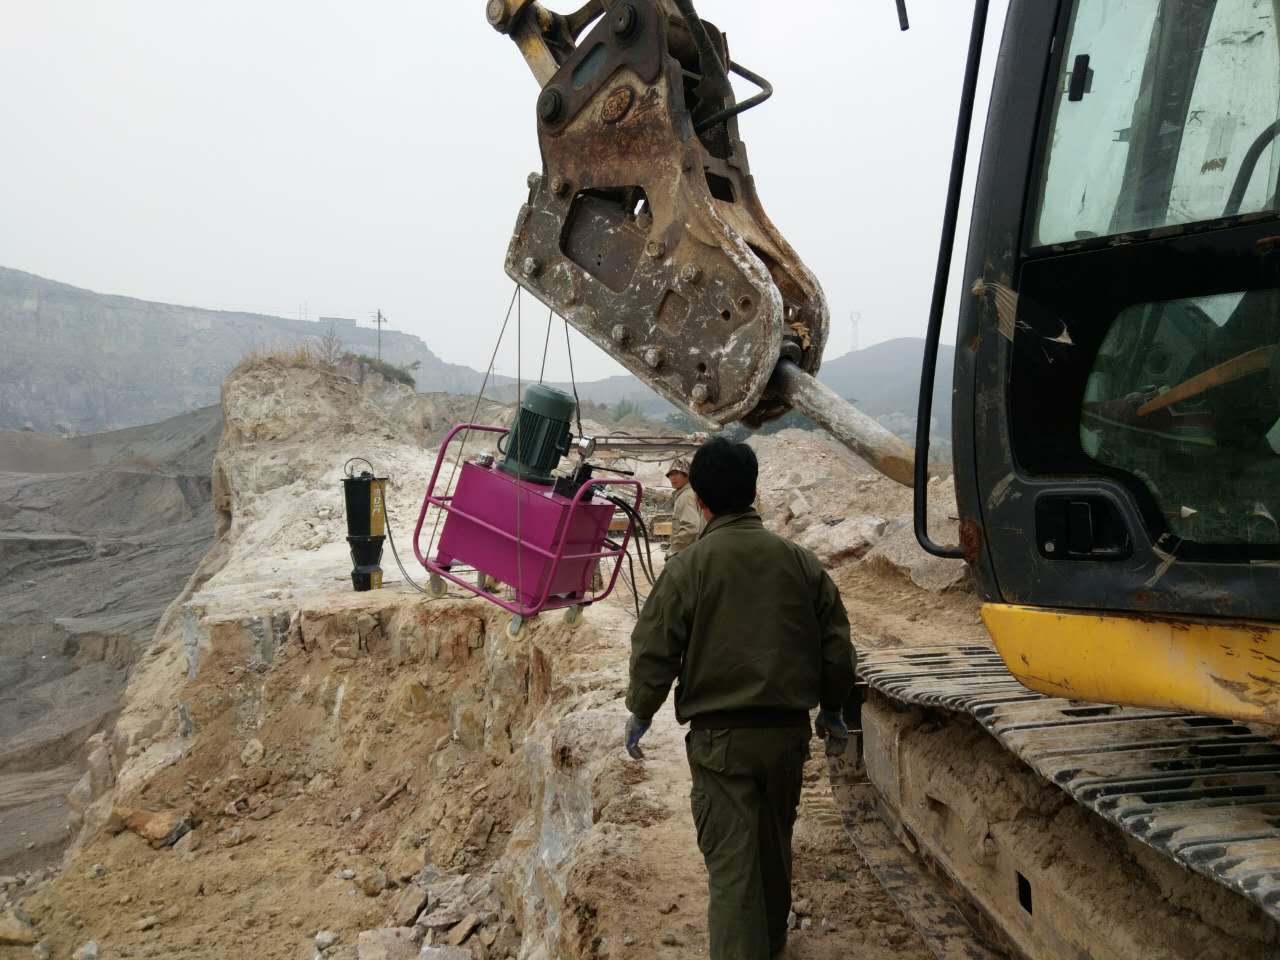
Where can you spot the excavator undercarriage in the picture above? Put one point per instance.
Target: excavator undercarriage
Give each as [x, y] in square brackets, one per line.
[1172, 831]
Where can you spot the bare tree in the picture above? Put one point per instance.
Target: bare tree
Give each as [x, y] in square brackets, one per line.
[331, 347]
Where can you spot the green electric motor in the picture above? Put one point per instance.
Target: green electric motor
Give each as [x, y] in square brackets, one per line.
[540, 436]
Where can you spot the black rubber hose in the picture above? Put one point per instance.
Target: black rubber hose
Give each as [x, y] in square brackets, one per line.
[638, 520]
[713, 73]
[395, 553]
[766, 91]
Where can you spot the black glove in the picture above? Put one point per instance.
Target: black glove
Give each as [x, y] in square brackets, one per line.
[636, 728]
[830, 727]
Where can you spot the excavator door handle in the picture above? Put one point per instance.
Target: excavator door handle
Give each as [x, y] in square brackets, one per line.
[1081, 527]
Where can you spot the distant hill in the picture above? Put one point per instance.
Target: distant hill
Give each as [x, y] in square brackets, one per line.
[885, 378]
[78, 361]
[884, 381]
[608, 391]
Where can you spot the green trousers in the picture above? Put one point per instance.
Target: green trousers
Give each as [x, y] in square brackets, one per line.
[746, 789]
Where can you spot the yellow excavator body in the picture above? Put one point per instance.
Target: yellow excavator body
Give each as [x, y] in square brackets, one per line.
[1214, 667]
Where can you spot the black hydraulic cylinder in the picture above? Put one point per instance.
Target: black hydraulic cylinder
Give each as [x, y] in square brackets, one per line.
[364, 496]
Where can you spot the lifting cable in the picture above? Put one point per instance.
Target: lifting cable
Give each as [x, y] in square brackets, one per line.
[646, 558]
[546, 342]
[521, 444]
[573, 380]
[638, 524]
[435, 529]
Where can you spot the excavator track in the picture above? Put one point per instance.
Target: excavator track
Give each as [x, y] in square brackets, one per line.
[1203, 791]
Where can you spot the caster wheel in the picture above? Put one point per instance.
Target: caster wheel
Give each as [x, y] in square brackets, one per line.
[514, 625]
[436, 586]
[573, 614]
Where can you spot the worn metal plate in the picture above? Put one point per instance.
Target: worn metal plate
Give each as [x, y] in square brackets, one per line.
[1204, 791]
[650, 238]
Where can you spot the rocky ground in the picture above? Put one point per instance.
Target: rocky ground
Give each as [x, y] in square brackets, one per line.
[300, 770]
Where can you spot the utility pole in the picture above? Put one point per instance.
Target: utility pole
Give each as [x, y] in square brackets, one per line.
[381, 320]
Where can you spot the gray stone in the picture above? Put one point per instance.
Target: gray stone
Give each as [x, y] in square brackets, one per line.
[389, 943]
[899, 551]
[325, 939]
[86, 951]
[252, 753]
[444, 953]
[847, 539]
[462, 930]
[441, 918]
[188, 843]
[408, 903]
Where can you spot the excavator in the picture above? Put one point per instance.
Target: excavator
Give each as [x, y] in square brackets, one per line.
[1116, 399]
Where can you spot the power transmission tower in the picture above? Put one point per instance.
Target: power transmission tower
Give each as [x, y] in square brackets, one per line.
[380, 320]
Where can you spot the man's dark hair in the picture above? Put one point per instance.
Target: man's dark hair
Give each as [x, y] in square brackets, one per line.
[723, 475]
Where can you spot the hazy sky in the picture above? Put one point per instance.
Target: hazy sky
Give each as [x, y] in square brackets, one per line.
[338, 157]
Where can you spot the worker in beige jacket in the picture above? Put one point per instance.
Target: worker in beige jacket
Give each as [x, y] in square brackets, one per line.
[686, 519]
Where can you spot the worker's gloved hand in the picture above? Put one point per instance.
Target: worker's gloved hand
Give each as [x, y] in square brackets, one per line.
[636, 728]
[830, 727]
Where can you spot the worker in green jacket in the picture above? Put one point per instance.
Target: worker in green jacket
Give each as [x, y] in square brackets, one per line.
[754, 634]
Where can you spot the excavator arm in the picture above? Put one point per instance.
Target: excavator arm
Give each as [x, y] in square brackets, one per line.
[644, 229]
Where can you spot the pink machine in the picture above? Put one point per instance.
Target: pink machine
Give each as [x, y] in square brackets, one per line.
[546, 545]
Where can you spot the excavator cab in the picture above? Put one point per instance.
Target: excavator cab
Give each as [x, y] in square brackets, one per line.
[1117, 424]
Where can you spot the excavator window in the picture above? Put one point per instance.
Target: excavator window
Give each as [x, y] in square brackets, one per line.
[1212, 457]
[1165, 114]
[1146, 347]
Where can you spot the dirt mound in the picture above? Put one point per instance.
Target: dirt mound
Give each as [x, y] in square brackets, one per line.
[816, 492]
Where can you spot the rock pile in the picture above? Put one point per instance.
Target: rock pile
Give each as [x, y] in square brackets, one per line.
[814, 491]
